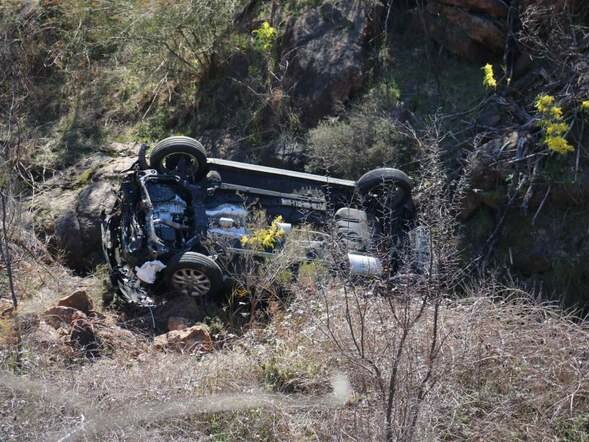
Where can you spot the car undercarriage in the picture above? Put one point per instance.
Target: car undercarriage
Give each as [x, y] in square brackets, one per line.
[161, 237]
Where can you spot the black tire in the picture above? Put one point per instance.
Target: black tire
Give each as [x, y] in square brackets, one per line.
[195, 274]
[392, 180]
[166, 155]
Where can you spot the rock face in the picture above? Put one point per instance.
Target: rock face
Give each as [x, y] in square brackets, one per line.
[325, 48]
[68, 209]
[473, 29]
[541, 237]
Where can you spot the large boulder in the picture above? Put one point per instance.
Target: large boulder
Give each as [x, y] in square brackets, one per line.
[67, 211]
[326, 51]
[472, 29]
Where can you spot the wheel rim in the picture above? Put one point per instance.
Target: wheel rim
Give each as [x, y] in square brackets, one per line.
[175, 161]
[191, 281]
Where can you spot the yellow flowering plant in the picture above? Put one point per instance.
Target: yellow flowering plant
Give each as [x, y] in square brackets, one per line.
[556, 113]
[585, 105]
[556, 129]
[489, 80]
[265, 238]
[559, 144]
[544, 103]
[551, 119]
[264, 37]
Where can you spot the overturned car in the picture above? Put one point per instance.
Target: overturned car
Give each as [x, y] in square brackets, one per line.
[172, 209]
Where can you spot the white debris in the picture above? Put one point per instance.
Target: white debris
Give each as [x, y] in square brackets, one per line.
[364, 265]
[284, 227]
[148, 271]
[342, 389]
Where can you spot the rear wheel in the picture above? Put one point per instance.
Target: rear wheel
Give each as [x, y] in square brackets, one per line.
[196, 275]
[180, 155]
[386, 197]
[386, 187]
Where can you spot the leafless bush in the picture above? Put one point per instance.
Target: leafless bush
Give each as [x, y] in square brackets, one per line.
[556, 33]
[394, 340]
[554, 30]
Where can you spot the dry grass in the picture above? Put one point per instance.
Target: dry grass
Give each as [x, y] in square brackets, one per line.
[507, 370]
[503, 369]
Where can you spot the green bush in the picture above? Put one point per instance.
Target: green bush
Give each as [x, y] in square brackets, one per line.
[179, 38]
[367, 137]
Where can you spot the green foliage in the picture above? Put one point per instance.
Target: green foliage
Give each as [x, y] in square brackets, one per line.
[366, 137]
[178, 38]
[85, 177]
[73, 71]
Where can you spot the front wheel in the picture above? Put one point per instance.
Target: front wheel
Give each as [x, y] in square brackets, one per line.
[180, 155]
[196, 275]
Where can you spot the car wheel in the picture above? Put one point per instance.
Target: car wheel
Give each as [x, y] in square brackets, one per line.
[386, 187]
[180, 155]
[196, 275]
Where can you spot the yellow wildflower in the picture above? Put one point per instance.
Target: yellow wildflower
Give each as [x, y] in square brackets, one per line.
[264, 37]
[240, 292]
[559, 145]
[556, 129]
[489, 77]
[544, 103]
[585, 105]
[264, 238]
[551, 120]
[556, 112]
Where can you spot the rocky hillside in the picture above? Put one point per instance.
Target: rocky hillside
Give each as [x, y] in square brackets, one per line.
[483, 102]
[334, 86]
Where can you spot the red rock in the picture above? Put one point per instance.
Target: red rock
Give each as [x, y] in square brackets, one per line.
[78, 300]
[193, 339]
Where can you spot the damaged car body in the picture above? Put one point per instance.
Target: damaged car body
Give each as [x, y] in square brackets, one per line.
[157, 238]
